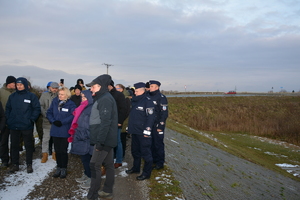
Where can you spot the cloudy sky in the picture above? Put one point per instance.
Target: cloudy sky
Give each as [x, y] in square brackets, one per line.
[207, 45]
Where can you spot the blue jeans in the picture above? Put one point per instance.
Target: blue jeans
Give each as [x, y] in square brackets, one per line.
[119, 151]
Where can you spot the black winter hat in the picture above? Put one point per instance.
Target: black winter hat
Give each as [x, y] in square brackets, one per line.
[78, 87]
[10, 79]
[80, 81]
[147, 85]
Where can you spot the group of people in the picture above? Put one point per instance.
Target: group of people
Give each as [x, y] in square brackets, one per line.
[93, 121]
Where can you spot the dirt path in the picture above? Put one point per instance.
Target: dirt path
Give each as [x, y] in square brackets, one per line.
[126, 187]
[206, 172]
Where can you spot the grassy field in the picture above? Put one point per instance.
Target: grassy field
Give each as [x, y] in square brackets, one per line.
[239, 124]
[276, 117]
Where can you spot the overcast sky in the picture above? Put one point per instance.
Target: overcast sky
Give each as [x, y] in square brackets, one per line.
[207, 45]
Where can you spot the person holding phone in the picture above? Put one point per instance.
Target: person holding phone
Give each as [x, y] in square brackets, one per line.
[62, 82]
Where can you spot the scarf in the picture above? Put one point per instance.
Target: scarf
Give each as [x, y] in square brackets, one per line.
[61, 104]
[77, 112]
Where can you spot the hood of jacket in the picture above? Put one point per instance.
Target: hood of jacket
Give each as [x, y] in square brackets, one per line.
[103, 80]
[24, 82]
[88, 95]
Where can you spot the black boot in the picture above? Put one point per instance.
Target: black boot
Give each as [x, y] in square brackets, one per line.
[14, 168]
[63, 173]
[29, 168]
[57, 172]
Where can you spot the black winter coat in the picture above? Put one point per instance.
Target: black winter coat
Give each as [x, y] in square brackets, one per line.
[121, 105]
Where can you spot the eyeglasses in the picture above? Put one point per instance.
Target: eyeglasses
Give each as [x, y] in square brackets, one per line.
[118, 88]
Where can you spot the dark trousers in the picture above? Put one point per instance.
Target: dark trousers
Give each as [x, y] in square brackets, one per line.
[4, 145]
[61, 150]
[27, 136]
[123, 140]
[158, 148]
[141, 148]
[86, 159]
[99, 158]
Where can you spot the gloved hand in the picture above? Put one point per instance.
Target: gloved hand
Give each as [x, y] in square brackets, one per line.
[57, 123]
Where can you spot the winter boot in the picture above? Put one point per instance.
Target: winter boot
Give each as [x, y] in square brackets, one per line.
[63, 172]
[82, 179]
[57, 172]
[44, 158]
[14, 168]
[86, 184]
[54, 156]
[29, 168]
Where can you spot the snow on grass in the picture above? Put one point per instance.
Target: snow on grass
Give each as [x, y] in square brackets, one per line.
[274, 154]
[20, 183]
[292, 169]
[286, 165]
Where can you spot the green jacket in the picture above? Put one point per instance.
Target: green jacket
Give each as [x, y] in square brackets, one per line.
[4, 94]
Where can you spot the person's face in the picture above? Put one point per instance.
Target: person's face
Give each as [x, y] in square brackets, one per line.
[11, 85]
[77, 92]
[153, 87]
[110, 87]
[53, 90]
[95, 88]
[20, 86]
[118, 88]
[139, 91]
[83, 98]
[62, 95]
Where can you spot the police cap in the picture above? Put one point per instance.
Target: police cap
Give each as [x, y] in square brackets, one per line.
[154, 82]
[139, 85]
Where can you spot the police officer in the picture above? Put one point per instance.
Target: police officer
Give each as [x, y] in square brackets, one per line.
[161, 109]
[141, 121]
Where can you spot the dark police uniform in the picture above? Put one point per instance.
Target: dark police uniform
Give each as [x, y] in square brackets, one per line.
[161, 111]
[141, 120]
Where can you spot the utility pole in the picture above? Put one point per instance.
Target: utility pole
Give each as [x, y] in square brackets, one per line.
[107, 66]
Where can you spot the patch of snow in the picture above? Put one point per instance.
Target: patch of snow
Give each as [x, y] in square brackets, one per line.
[20, 183]
[286, 165]
[274, 154]
[174, 141]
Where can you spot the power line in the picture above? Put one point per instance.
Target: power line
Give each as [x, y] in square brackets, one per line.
[107, 66]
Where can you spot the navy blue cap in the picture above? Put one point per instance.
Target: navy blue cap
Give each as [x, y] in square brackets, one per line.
[154, 82]
[139, 85]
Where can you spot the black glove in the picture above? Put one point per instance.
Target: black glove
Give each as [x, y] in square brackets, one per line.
[57, 123]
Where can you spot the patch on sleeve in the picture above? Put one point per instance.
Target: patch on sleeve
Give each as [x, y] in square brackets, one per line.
[150, 111]
[164, 107]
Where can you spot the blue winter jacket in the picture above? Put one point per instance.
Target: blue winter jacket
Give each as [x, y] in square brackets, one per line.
[22, 108]
[142, 115]
[65, 115]
[81, 139]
